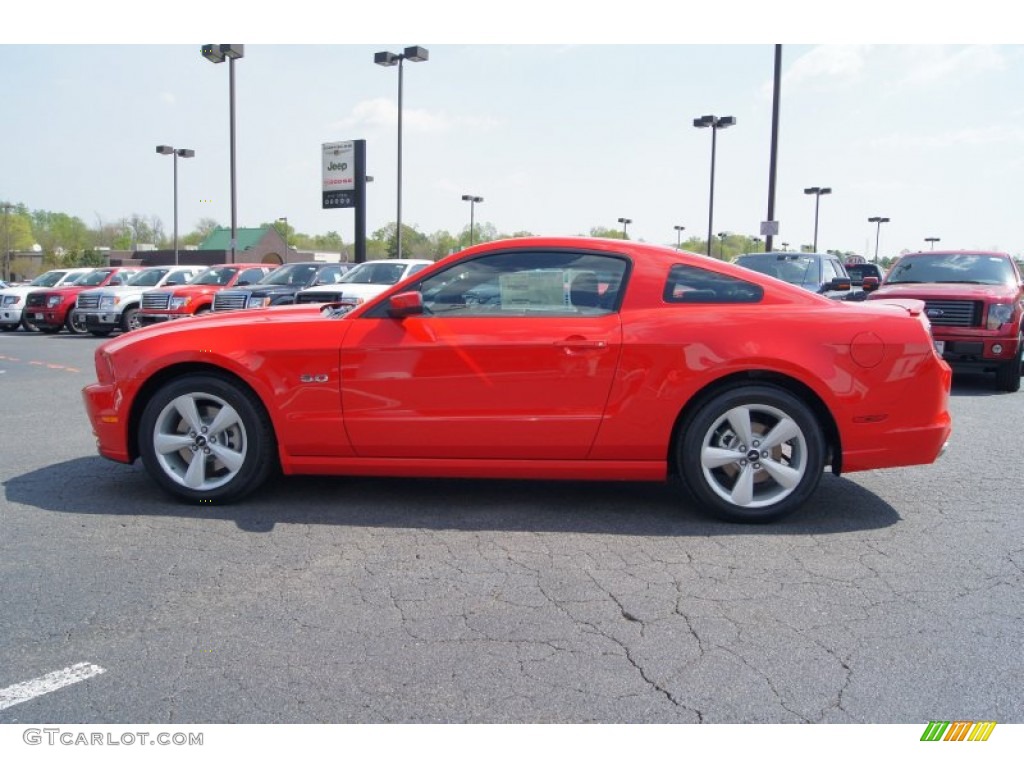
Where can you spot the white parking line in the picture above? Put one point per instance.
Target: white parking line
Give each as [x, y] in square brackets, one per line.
[30, 689]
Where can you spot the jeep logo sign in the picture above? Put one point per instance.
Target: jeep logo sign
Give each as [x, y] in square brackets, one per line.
[339, 179]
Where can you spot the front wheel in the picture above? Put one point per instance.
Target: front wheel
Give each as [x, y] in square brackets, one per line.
[74, 325]
[752, 454]
[130, 319]
[28, 325]
[1008, 374]
[205, 438]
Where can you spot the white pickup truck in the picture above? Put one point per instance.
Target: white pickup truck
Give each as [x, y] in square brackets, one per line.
[103, 310]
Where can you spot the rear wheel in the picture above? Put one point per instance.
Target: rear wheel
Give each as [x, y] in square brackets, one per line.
[752, 454]
[1008, 374]
[205, 438]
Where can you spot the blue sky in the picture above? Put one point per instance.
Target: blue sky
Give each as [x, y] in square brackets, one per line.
[560, 125]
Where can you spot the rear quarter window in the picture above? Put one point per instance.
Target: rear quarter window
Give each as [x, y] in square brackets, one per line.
[693, 285]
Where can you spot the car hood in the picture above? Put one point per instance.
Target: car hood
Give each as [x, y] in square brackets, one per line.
[256, 319]
[968, 291]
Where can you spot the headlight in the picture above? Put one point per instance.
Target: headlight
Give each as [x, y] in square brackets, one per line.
[108, 302]
[259, 301]
[11, 301]
[177, 302]
[52, 301]
[999, 314]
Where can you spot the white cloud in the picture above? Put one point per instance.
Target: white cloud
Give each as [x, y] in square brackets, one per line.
[995, 134]
[827, 66]
[941, 64]
[168, 98]
[383, 112]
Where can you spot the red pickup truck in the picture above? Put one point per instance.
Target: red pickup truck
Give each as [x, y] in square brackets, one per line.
[48, 310]
[196, 296]
[975, 302]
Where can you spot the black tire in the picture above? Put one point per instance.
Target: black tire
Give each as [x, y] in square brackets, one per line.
[130, 319]
[737, 474]
[7, 327]
[72, 327]
[1008, 374]
[28, 325]
[232, 459]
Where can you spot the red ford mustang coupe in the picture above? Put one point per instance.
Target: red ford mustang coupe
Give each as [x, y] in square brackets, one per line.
[547, 358]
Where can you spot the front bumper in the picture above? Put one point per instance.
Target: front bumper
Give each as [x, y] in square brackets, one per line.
[98, 321]
[111, 434]
[975, 352]
[10, 316]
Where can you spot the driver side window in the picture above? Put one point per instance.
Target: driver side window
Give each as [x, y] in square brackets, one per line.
[527, 283]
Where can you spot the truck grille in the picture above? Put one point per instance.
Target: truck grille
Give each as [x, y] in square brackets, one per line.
[954, 312]
[156, 300]
[36, 300]
[317, 297]
[88, 302]
[224, 300]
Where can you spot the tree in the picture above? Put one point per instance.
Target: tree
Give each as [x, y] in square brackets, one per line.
[58, 232]
[614, 234]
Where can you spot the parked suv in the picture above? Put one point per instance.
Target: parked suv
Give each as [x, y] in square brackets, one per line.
[12, 299]
[975, 301]
[817, 272]
[50, 309]
[280, 286]
[103, 310]
[363, 282]
[196, 297]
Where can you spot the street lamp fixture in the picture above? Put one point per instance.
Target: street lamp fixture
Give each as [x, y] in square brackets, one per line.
[624, 221]
[714, 123]
[817, 192]
[878, 221]
[721, 245]
[932, 240]
[757, 243]
[472, 200]
[679, 235]
[163, 149]
[413, 53]
[217, 54]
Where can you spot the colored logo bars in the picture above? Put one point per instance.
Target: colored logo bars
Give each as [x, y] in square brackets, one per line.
[959, 730]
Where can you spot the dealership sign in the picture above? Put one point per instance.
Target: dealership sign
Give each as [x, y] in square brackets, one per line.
[339, 174]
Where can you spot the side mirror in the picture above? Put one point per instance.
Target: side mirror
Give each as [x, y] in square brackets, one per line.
[406, 304]
[839, 284]
[870, 284]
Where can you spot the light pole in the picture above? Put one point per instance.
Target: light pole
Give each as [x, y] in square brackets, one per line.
[624, 221]
[217, 54]
[163, 149]
[389, 59]
[7, 230]
[721, 245]
[757, 243]
[817, 192]
[679, 236]
[472, 200]
[878, 221]
[714, 123]
[932, 240]
[285, 220]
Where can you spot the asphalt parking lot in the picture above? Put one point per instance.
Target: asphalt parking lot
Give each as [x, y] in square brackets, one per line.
[894, 597]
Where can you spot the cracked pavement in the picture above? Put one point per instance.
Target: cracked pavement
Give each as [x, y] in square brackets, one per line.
[894, 597]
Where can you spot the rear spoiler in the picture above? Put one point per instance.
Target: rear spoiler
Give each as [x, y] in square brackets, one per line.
[914, 307]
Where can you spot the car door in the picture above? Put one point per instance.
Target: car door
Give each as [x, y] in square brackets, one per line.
[512, 358]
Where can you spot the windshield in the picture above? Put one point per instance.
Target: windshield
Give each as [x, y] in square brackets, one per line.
[93, 278]
[147, 277]
[794, 268]
[860, 271]
[376, 274]
[291, 274]
[215, 276]
[979, 268]
[48, 279]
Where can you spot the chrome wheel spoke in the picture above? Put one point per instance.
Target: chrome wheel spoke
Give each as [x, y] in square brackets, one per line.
[186, 407]
[195, 477]
[226, 417]
[782, 432]
[170, 443]
[739, 420]
[713, 458]
[784, 475]
[231, 459]
[743, 491]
